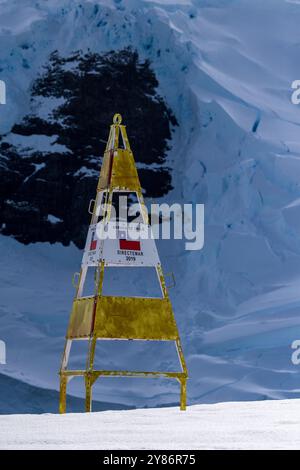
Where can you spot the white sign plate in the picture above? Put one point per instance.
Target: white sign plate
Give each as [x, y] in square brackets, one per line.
[93, 248]
[133, 246]
[121, 244]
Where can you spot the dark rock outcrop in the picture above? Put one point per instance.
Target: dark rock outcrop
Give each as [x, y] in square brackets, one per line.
[45, 192]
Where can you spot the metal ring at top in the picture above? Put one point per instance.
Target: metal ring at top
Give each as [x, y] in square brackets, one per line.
[117, 119]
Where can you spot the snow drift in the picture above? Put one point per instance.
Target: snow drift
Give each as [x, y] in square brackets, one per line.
[226, 426]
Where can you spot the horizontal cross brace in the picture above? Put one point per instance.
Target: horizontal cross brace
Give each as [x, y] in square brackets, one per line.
[123, 373]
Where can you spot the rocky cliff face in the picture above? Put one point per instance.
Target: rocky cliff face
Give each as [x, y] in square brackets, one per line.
[50, 161]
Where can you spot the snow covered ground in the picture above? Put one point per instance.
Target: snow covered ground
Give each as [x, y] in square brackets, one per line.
[245, 425]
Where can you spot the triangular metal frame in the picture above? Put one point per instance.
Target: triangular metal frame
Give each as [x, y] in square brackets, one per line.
[93, 317]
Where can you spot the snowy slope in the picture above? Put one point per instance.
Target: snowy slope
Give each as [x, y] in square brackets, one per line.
[255, 425]
[225, 68]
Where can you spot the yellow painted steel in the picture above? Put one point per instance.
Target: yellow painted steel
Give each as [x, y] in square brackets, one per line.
[124, 174]
[63, 393]
[104, 174]
[108, 317]
[135, 318]
[80, 325]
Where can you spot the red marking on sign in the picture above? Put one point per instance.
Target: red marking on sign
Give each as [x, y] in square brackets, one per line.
[130, 245]
[93, 245]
